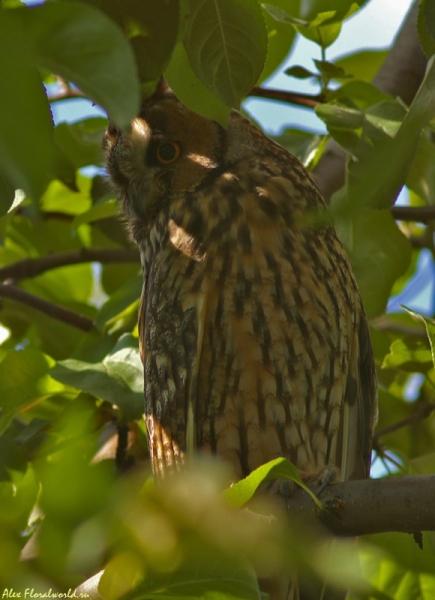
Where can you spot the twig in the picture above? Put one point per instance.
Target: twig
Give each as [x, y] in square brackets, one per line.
[420, 214]
[419, 415]
[67, 94]
[306, 100]
[383, 324]
[30, 267]
[54, 311]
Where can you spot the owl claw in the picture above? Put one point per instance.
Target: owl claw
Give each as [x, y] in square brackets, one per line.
[327, 476]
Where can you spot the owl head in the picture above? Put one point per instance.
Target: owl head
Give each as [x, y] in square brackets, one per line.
[171, 150]
[168, 151]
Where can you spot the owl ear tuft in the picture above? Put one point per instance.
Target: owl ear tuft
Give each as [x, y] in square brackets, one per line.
[162, 89]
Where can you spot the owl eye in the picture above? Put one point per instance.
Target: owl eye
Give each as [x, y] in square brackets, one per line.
[168, 152]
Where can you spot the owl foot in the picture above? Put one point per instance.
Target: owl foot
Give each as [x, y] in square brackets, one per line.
[327, 476]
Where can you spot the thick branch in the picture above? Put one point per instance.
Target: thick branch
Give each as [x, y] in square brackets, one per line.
[372, 506]
[30, 267]
[400, 75]
[52, 310]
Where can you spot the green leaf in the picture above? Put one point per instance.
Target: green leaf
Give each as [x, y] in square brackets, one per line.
[429, 325]
[280, 36]
[226, 43]
[410, 354]
[280, 468]
[281, 15]
[59, 198]
[359, 93]
[325, 19]
[121, 307]
[310, 9]
[26, 147]
[426, 26]
[329, 69]
[337, 115]
[403, 570]
[191, 91]
[118, 379]
[104, 210]
[18, 498]
[82, 45]
[24, 380]
[300, 72]
[306, 147]
[388, 165]
[421, 176]
[152, 26]
[379, 253]
[213, 577]
[81, 142]
[363, 65]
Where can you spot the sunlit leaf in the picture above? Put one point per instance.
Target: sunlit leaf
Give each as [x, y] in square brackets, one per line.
[118, 379]
[226, 43]
[362, 65]
[429, 325]
[409, 355]
[191, 91]
[280, 468]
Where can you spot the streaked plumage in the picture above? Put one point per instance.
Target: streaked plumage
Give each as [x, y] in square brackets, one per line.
[253, 337]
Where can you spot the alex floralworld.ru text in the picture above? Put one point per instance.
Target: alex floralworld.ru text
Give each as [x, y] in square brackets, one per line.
[32, 593]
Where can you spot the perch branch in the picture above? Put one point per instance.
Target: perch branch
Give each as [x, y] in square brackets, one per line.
[54, 311]
[362, 507]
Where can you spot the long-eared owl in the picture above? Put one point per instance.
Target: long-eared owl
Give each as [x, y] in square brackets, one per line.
[253, 337]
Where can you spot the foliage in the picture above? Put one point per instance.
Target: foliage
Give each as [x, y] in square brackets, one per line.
[68, 384]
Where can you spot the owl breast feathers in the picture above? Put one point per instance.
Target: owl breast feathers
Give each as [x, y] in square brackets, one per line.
[252, 334]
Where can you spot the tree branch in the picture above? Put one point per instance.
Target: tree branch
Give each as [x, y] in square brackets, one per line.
[400, 75]
[369, 506]
[67, 94]
[30, 267]
[306, 100]
[419, 415]
[49, 308]
[420, 214]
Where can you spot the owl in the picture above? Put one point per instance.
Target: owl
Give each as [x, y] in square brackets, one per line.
[253, 337]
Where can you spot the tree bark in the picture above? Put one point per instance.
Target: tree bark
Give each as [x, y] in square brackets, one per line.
[369, 506]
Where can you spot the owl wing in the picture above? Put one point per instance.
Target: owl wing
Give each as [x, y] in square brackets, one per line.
[257, 345]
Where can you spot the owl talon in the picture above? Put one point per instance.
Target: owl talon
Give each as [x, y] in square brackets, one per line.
[326, 477]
